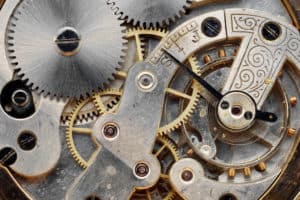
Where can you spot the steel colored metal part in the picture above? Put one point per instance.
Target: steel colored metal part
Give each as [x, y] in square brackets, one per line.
[149, 13]
[60, 49]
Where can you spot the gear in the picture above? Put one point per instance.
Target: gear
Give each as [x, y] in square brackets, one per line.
[109, 105]
[138, 33]
[89, 111]
[149, 13]
[166, 152]
[71, 129]
[102, 108]
[59, 46]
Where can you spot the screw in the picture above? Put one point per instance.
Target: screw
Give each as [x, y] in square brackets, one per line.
[248, 115]
[224, 105]
[271, 31]
[68, 41]
[142, 170]
[187, 175]
[8, 156]
[110, 130]
[211, 27]
[20, 98]
[27, 141]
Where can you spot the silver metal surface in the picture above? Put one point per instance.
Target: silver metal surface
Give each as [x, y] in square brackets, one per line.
[243, 164]
[32, 34]
[154, 12]
[236, 120]
[202, 188]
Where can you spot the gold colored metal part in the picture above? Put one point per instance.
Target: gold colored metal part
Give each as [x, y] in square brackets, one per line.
[291, 131]
[70, 130]
[207, 59]
[247, 171]
[231, 173]
[292, 12]
[293, 101]
[222, 53]
[99, 103]
[261, 167]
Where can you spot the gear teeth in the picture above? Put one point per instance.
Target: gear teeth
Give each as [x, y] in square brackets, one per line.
[13, 38]
[148, 24]
[171, 196]
[101, 108]
[69, 134]
[184, 116]
[170, 145]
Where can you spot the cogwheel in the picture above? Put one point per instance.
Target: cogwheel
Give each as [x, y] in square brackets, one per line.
[87, 112]
[149, 13]
[71, 129]
[105, 108]
[163, 148]
[187, 111]
[138, 33]
[111, 102]
[58, 45]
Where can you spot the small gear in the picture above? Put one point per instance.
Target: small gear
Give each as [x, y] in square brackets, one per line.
[166, 152]
[149, 13]
[59, 46]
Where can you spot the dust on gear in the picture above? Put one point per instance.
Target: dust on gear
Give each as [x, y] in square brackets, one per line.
[147, 13]
[59, 46]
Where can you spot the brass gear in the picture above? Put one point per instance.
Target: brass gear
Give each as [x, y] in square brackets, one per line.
[164, 144]
[87, 112]
[71, 128]
[138, 33]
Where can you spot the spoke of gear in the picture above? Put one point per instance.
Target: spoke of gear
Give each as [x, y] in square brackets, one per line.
[192, 99]
[147, 13]
[89, 112]
[65, 48]
[165, 146]
[73, 129]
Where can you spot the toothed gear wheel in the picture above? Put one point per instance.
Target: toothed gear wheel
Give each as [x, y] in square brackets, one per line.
[147, 13]
[65, 48]
[72, 127]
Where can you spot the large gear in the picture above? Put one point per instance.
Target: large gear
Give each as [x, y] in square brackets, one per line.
[59, 46]
[150, 13]
[71, 129]
[192, 98]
